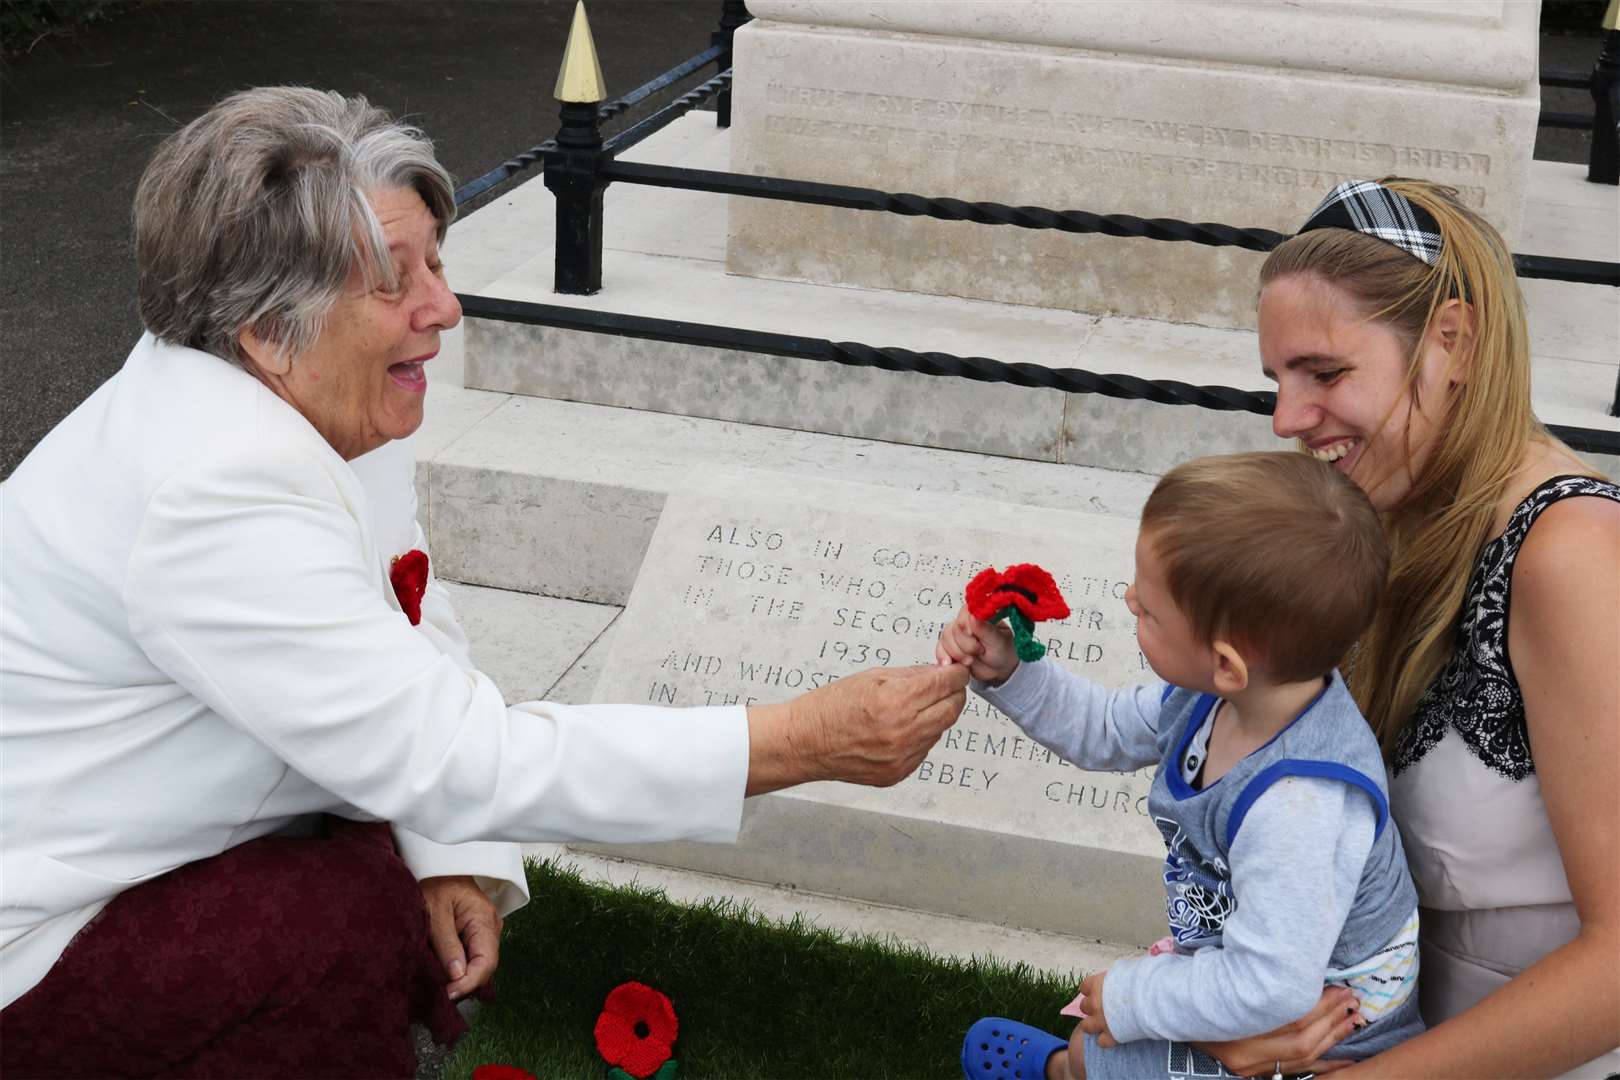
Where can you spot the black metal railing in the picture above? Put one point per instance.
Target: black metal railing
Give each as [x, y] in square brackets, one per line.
[1603, 83]
[580, 164]
[892, 358]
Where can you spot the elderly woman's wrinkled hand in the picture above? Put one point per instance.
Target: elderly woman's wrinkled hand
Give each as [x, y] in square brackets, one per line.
[465, 929]
[874, 727]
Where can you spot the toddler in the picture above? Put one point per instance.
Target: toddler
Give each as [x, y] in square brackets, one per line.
[1255, 573]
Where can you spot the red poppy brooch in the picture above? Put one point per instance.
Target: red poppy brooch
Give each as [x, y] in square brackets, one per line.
[1024, 595]
[636, 1033]
[409, 575]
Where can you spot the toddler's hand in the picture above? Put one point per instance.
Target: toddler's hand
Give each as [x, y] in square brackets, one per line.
[986, 649]
[1091, 1003]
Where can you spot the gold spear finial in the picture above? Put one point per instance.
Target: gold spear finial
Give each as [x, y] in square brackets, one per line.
[581, 76]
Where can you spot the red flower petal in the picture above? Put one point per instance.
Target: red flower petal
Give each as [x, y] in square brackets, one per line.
[645, 1058]
[1049, 602]
[501, 1072]
[1025, 586]
[637, 1029]
[409, 575]
[636, 1001]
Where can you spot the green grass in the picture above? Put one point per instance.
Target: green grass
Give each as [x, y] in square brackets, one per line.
[755, 998]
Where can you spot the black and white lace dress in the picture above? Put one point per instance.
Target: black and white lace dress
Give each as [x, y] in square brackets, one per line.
[1465, 793]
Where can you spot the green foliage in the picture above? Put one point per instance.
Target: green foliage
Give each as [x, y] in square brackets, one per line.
[23, 22]
[755, 998]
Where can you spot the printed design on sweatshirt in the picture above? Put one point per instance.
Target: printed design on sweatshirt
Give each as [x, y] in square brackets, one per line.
[1198, 893]
[1383, 981]
[1184, 1059]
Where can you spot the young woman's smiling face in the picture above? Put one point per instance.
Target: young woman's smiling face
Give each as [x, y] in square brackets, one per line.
[1343, 386]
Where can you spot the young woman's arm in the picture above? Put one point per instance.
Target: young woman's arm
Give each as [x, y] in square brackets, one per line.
[1564, 643]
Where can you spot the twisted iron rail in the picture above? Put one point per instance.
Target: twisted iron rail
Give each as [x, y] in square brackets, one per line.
[1211, 234]
[977, 368]
[608, 110]
[668, 114]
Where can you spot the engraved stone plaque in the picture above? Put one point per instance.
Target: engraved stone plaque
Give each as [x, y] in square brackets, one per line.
[747, 598]
[1248, 127]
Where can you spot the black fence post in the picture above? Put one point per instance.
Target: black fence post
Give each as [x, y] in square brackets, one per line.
[573, 172]
[733, 14]
[1605, 164]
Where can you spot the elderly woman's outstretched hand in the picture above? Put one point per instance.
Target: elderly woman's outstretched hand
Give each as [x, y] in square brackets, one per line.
[873, 727]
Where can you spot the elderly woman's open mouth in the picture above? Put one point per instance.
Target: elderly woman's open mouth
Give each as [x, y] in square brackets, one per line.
[409, 374]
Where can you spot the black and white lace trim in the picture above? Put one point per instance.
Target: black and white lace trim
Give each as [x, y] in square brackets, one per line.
[1476, 693]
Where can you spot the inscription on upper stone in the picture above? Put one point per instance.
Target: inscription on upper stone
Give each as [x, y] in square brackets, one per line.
[1086, 140]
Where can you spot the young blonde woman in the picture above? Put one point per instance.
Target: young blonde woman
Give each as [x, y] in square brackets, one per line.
[1395, 330]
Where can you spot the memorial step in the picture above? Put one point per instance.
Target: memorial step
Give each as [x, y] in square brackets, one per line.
[537, 647]
[665, 258]
[561, 498]
[756, 563]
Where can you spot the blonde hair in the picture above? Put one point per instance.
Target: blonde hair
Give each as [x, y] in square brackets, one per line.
[1276, 552]
[1483, 429]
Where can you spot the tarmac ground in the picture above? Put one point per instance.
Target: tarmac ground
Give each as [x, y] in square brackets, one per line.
[80, 114]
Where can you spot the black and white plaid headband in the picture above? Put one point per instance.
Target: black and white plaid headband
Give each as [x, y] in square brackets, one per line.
[1367, 207]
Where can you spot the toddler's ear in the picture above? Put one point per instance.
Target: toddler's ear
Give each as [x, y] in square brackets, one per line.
[1231, 672]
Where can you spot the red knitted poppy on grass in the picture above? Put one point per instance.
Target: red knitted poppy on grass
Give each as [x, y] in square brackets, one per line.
[409, 575]
[637, 1029]
[501, 1072]
[1025, 586]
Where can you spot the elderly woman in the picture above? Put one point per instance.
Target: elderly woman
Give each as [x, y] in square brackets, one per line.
[203, 654]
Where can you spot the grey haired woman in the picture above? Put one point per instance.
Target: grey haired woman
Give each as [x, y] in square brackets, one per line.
[260, 809]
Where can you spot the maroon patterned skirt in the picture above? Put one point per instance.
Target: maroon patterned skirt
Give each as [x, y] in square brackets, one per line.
[278, 958]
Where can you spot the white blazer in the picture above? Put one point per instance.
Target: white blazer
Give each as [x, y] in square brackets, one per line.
[199, 644]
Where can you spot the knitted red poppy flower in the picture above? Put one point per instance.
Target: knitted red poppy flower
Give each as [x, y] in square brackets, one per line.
[409, 574]
[1024, 596]
[501, 1072]
[1025, 586]
[636, 1030]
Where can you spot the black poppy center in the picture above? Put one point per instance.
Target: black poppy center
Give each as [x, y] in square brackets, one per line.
[1020, 590]
[641, 1029]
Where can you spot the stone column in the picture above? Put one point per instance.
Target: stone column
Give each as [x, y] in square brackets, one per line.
[1242, 112]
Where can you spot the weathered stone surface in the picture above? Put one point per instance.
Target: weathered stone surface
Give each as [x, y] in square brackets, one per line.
[748, 597]
[1238, 139]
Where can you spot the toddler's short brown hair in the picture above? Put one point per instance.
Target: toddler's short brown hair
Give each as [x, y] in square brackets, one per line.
[1276, 552]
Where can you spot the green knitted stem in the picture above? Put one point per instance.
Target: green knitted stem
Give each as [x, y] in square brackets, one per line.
[1023, 630]
[668, 1071]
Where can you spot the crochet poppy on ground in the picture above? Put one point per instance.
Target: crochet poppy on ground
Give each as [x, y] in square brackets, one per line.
[409, 575]
[1024, 595]
[501, 1072]
[636, 1031]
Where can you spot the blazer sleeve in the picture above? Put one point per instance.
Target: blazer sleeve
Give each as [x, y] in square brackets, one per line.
[250, 586]
[497, 866]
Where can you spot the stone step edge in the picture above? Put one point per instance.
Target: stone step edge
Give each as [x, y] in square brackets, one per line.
[942, 935]
[561, 498]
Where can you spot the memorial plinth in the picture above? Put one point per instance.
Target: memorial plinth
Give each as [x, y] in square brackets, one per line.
[1242, 113]
[746, 597]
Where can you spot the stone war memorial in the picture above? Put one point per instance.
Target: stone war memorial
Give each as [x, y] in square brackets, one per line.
[642, 418]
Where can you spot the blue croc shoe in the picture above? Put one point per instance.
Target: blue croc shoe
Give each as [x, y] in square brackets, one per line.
[1001, 1049]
